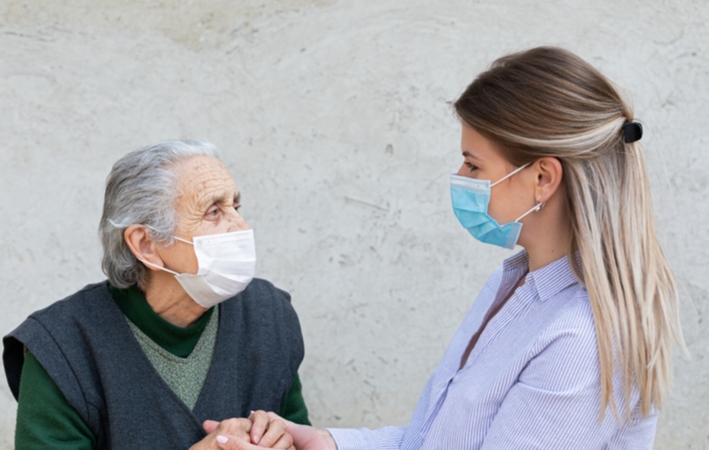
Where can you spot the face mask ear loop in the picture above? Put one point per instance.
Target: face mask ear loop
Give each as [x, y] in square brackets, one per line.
[511, 174]
[174, 237]
[535, 208]
[157, 266]
[183, 240]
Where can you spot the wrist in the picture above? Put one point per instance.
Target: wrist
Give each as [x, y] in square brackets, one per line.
[328, 439]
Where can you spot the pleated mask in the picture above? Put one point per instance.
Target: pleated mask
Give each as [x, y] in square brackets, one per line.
[470, 198]
[226, 263]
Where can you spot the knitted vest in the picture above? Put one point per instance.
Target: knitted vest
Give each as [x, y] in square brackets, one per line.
[89, 351]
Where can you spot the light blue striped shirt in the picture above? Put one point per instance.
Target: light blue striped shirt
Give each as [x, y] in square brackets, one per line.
[530, 382]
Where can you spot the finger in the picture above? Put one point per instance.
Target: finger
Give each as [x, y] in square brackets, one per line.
[308, 437]
[275, 430]
[260, 422]
[285, 442]
[234, 443]
[210, 425]
[291, 427]
[273, 416]
[235, 427]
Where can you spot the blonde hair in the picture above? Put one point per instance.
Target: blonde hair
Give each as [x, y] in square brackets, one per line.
[549, 102]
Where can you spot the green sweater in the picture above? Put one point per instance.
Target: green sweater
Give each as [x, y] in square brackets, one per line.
[45, 420]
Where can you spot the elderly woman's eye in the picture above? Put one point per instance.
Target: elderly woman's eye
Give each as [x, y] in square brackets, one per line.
[237, 206]
[213, 212]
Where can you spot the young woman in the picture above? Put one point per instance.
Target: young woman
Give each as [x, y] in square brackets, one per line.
[569, 343]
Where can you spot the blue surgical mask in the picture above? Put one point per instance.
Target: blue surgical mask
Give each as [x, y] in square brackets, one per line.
[470, 198]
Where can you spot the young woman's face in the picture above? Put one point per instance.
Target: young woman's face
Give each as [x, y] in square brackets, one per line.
[511, 198]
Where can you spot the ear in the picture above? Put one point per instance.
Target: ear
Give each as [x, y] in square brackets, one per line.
[142, 245]
[549, 178]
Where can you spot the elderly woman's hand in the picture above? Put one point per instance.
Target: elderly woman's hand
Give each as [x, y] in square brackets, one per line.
[259, 431]
[237, 428]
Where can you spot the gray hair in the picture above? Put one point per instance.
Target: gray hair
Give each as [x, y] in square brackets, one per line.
[141, 189]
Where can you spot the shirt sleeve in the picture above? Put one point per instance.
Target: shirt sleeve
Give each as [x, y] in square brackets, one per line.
[387, 438]
[44, 418]
[293, 407]
[555, 402]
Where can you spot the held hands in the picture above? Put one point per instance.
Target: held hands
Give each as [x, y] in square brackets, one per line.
[301, 436]
[257, 432]
[307, 438]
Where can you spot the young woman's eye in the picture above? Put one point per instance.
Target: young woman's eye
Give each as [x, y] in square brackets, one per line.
[471, 167]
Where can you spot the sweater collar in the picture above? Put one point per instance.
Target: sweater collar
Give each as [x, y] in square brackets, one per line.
[177, 340]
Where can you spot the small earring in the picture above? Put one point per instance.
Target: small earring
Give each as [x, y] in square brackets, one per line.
[540, 205]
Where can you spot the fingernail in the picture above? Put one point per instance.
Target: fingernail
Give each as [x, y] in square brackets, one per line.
[222, 439]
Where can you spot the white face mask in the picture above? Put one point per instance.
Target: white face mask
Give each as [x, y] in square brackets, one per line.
[225, 267]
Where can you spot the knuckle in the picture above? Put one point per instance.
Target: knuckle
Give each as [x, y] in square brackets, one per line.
[230, 425]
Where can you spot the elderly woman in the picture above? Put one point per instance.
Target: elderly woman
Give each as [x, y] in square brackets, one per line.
[179, 337]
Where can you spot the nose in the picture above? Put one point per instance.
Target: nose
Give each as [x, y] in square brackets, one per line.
[237, 222]
[463, 171]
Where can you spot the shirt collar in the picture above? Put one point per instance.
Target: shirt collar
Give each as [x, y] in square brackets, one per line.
[516, 262]
[548, 280]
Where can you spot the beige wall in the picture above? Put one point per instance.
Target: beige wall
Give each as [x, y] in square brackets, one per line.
[334, 121]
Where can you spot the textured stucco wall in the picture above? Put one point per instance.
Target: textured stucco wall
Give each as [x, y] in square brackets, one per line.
[333, 118]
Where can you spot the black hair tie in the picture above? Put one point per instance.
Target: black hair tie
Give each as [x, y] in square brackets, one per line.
[632, 131]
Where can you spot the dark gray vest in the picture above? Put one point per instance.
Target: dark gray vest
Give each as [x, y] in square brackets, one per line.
[88, 349]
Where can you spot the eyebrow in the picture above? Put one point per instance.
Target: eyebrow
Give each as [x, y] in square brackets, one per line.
[219, 199]
[468, 154]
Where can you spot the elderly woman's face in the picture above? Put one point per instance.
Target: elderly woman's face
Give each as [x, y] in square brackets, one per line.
[207, 203]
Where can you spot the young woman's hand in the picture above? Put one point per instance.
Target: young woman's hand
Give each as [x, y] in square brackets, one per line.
[308, 438]
[269, 431]
[235, 443]
[259, 431]
[237, 429]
